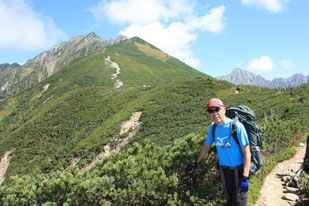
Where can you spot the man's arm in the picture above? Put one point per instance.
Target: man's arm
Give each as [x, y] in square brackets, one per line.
[205, 149]
[247, 160]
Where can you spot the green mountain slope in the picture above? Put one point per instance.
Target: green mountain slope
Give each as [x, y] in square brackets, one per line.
[75, 113]
[61, 117]
[81, 122]
[143, 64]
[138, 68]
[155, 167]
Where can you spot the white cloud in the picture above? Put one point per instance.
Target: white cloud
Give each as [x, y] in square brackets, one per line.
[174, 39]
[265, 63]
[270, 5]
[24, 28]
[210, 22]
[141, 11]
[287, 64]
[170, 25]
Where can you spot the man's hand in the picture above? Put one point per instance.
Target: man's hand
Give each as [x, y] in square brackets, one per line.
[191, 167]
[244, 182]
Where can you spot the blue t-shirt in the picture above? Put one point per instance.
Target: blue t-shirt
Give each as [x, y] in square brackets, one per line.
[228, 156]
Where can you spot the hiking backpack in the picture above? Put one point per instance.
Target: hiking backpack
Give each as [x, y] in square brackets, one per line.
[247, 117]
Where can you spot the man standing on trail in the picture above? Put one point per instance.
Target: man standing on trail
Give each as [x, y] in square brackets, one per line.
[234, 161]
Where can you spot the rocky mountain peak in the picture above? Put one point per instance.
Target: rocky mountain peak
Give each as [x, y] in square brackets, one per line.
[93, 38]
[93, 35]
[3, 67]
[120, 38]
[65, 52]
[239, 77]
[243, 77]
[47, 63]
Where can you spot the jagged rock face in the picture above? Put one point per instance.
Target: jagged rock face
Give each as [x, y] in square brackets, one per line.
[295, 80]
[6, 67]
[48, 62]
[7, 74]
[67, 51]
[242, 77]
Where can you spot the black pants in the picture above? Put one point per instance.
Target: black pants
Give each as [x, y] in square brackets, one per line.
[231, 186]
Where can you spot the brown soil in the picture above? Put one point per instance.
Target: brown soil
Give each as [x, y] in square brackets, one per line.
[273, 190]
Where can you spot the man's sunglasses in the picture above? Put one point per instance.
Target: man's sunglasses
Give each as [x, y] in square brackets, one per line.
[217, 109]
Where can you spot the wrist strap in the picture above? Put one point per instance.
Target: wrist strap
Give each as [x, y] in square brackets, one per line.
[244, 177]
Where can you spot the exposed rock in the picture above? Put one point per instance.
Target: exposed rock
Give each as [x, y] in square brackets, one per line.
[46, 87]
[286, 179]
[290, 197]
[291, 190]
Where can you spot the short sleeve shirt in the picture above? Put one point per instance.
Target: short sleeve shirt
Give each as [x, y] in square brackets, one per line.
[228, 156]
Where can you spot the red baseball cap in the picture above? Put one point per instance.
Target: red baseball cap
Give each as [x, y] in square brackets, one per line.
[214, 103]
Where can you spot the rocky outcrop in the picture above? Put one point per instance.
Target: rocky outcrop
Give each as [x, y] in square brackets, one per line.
[7, 75]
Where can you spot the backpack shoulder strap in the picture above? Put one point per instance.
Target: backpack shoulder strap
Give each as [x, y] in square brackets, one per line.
[213, 131]
[234, 132]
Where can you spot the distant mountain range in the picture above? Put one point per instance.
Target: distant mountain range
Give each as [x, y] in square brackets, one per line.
[243, 77]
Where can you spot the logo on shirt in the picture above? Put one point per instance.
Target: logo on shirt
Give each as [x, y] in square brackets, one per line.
[220, 143]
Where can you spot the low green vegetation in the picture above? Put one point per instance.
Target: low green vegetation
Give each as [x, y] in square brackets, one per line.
[146, 173]
[81, 112]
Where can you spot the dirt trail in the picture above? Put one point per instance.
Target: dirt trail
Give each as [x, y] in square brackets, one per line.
[130, 127]
[114, 65]
[272, 190]
[4, 164]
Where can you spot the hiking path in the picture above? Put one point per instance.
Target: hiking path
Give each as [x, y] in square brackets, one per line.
[273, 192]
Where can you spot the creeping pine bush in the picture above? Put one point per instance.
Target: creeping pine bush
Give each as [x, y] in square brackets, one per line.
[142, 175]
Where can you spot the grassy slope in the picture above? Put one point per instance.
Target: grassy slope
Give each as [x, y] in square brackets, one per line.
[137, 69]
[80, 110]
[81, 122]
[140, 67]
[170, 111]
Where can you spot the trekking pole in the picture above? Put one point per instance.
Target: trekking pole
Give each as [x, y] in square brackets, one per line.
[191, 181]
[190, 169]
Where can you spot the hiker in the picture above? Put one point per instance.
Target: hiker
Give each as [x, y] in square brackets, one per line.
[234, 161]
[306, 158]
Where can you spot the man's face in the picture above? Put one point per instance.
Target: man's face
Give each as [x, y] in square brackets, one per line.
[217, 114]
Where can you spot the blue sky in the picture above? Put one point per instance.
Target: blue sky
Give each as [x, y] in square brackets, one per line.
[266, 37]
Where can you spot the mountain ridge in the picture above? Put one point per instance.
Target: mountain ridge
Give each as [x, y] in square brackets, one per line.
[13, 80]
[243, 77]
